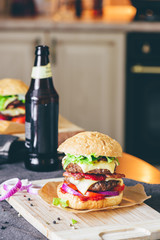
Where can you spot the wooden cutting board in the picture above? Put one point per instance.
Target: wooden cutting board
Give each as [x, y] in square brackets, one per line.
[138, 222]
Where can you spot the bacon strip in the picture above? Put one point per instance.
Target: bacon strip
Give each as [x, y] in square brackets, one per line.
[76, 176]
[97, 177]
[115, 175]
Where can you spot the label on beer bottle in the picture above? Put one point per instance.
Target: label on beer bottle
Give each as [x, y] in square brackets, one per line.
[27, 134]
[41, 72]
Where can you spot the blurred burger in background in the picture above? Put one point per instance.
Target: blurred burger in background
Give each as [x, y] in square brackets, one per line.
[12, 100]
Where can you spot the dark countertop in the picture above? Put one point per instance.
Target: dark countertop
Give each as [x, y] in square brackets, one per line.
[17, 227]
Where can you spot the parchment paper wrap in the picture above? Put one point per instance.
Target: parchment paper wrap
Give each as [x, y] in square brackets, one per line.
[132, 196]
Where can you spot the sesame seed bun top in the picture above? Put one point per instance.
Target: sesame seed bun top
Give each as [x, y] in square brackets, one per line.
[87, 143]
[9, 86]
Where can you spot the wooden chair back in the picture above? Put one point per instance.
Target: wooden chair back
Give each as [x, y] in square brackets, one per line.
[137, 169]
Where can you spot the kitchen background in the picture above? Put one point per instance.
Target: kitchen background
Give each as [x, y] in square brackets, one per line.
[105, 56]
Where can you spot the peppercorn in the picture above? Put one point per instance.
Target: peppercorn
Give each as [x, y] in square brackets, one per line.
[3, 227]
[54, 222]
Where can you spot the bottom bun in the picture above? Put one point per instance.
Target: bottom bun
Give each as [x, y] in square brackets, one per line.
[76, 203]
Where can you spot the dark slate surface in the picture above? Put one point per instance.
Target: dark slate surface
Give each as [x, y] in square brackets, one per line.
[17, 227]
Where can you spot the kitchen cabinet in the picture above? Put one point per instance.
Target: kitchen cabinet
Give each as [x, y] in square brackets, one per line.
[17, 53]
[89, 77]
[88, 72]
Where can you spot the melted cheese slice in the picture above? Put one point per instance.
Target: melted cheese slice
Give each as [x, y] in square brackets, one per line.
[8, 101]
[98, 165]
[84, 184]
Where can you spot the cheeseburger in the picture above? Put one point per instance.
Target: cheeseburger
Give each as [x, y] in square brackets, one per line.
[91, 181]
[12, 100]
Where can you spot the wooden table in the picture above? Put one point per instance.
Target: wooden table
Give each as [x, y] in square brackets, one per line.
[66, 129]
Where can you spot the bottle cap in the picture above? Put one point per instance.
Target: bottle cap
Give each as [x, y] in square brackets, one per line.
[42, 50]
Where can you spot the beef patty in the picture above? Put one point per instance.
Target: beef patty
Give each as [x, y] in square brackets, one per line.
[103, 186]
[16, 103]
[75, 168]
[100, 186]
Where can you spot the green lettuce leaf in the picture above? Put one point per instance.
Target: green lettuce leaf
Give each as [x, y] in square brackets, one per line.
[2, 101]
[89, 159]
[59, 201]
[74, 221]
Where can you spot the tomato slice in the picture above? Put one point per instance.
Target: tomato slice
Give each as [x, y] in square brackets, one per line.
[3, 117]
[119, 188]
[20, 119]
[71, 185]
[93, 194]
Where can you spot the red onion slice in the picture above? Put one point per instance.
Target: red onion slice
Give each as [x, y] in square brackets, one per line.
[25, 185]
[16, 185]
[34, 189]
[67, 189]
[110, 193]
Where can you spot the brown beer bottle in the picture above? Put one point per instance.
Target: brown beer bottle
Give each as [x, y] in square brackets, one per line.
[41, 126]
